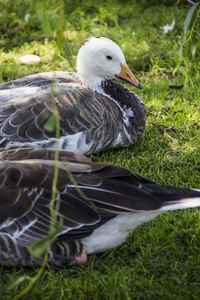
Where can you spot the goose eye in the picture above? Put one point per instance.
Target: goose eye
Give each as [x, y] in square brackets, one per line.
[109, 57]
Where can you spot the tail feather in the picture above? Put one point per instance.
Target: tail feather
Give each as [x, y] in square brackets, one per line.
[197, 190]
[181, 204]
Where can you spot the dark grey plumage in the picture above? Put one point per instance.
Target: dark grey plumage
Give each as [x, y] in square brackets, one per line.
[116, 202]
[89, 121]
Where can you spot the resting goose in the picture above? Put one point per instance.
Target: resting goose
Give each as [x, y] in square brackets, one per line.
[115, 202]
[95, 111]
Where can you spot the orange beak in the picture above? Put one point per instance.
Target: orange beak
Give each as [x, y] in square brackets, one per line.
[128, 76]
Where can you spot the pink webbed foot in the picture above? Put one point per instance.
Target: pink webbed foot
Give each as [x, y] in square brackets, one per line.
[80, 259]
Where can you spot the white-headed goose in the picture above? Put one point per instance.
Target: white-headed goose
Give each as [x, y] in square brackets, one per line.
[116, 201]
[95, 111]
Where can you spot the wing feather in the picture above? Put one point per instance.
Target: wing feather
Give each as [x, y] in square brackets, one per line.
[80, 110]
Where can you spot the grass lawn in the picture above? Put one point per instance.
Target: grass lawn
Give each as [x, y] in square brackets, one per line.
[161, 259]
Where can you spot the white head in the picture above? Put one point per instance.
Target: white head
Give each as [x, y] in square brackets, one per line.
[99, 58]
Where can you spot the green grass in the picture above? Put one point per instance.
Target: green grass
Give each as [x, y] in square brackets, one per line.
[160, 259]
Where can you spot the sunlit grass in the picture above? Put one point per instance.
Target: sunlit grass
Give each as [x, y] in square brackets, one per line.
[160, 259]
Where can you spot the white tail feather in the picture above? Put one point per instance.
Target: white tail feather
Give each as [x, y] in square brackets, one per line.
[181, 204]
[197, 190]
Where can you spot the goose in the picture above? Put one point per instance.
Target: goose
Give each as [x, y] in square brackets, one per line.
[109, 203]
[95, 111]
